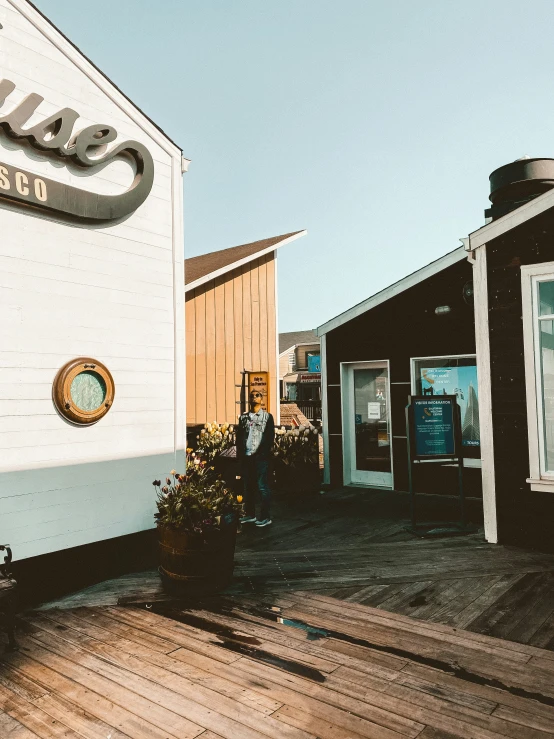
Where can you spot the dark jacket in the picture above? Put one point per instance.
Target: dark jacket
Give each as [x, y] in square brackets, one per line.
[268, 437]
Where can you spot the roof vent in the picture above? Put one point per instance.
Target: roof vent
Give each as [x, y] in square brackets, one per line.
[518, 182]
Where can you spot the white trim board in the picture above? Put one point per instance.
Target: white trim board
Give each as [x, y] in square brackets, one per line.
[277, 356]
[347, 407]
[502, 225]
[540, 478]
[56, 37]
[229, 267]
[415, 278]
[180, 361]
[541, 486]
[286, 351]
[482, 346]
[325, 413]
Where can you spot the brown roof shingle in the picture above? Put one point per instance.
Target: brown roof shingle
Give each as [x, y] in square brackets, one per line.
[205, 264]
[292, 338]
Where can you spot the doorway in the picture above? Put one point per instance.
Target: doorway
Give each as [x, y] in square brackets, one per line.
[367, 448]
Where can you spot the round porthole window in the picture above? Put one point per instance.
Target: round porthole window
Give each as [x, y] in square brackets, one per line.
[83, 391]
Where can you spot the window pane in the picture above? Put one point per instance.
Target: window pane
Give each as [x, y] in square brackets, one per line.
[453, 376]
[372, 420]
[88, 390]
[547, 371]
[546, 298]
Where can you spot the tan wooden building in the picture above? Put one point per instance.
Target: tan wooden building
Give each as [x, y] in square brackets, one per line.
[231, 325]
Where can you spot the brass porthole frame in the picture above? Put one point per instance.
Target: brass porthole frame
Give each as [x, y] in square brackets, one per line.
[61, 391]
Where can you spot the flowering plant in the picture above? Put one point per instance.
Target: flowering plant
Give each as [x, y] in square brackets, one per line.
[197, 501]
[214, 439]
[297, 446]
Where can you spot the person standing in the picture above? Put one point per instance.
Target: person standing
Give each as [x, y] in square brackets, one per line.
[255, 437]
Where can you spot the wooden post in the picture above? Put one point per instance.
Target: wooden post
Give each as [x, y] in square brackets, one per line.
[243, 392]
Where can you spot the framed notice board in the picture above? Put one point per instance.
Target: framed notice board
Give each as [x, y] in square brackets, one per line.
[434, 427]
[260, 381]
[434, 431]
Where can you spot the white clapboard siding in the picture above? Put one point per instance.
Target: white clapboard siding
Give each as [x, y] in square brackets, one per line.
[127, 242]
[13, 359]
[11, 426]
[109, 291]
[96, 349]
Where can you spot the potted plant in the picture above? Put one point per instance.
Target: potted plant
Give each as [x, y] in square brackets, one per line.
[296, 453]
[197, 524]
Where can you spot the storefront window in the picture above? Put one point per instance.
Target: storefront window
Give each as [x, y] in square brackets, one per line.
[88, 390]
[546, 333]
[452, 376]
[537, 300]
[545, 370]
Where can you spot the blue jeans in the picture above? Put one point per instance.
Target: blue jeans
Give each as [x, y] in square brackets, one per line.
[254, 475]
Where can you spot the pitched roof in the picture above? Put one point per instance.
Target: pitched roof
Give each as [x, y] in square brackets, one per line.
[512, 219]
[395, 289]
[207, 266]
[291, 415]
[292, 338]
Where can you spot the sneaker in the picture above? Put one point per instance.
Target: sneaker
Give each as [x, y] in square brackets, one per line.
[264, 522]
[247, 519]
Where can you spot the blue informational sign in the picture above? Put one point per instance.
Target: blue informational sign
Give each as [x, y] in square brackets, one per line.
[314, 363]
[434, 432]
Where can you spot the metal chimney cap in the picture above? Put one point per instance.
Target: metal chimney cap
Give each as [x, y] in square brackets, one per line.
[521, 178]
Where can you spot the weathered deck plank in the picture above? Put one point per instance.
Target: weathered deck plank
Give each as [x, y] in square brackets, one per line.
[310, 641]
[123, 672]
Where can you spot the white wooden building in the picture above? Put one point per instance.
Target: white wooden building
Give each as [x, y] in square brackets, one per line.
[107, 289]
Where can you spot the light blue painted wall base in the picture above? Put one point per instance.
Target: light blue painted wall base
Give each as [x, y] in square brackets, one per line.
[47, 510]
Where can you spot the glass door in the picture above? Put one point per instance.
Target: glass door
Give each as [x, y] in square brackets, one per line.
[366, 399]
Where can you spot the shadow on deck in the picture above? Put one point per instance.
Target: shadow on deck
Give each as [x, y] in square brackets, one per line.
[339, 625]
[353, 545]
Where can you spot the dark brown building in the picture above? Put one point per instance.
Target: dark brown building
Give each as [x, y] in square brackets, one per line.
[416, 335]
[477, 323]
[514, 315]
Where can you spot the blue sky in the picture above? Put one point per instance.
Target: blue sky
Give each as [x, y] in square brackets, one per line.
[374, 125]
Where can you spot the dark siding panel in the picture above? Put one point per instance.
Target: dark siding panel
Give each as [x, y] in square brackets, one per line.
[334, 410]
[335, 455]
[399, 401]
[524, 517]
[404, 327]
[400, 464]
[441, 479]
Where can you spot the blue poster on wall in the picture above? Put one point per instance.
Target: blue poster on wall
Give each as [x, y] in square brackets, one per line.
[314, 363]
[461, 382]
[434, 431]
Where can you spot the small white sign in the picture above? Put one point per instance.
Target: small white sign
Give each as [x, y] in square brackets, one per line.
[374, 411]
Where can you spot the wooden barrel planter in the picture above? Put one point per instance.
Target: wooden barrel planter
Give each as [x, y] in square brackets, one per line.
[197, 563]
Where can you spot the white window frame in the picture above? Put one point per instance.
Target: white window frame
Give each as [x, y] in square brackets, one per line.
[468, 462]
[531, 276]
[346, 398]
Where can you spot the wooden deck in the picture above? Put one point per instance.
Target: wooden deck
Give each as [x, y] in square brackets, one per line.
[353, 545]
[298, 667]
[339, 625]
